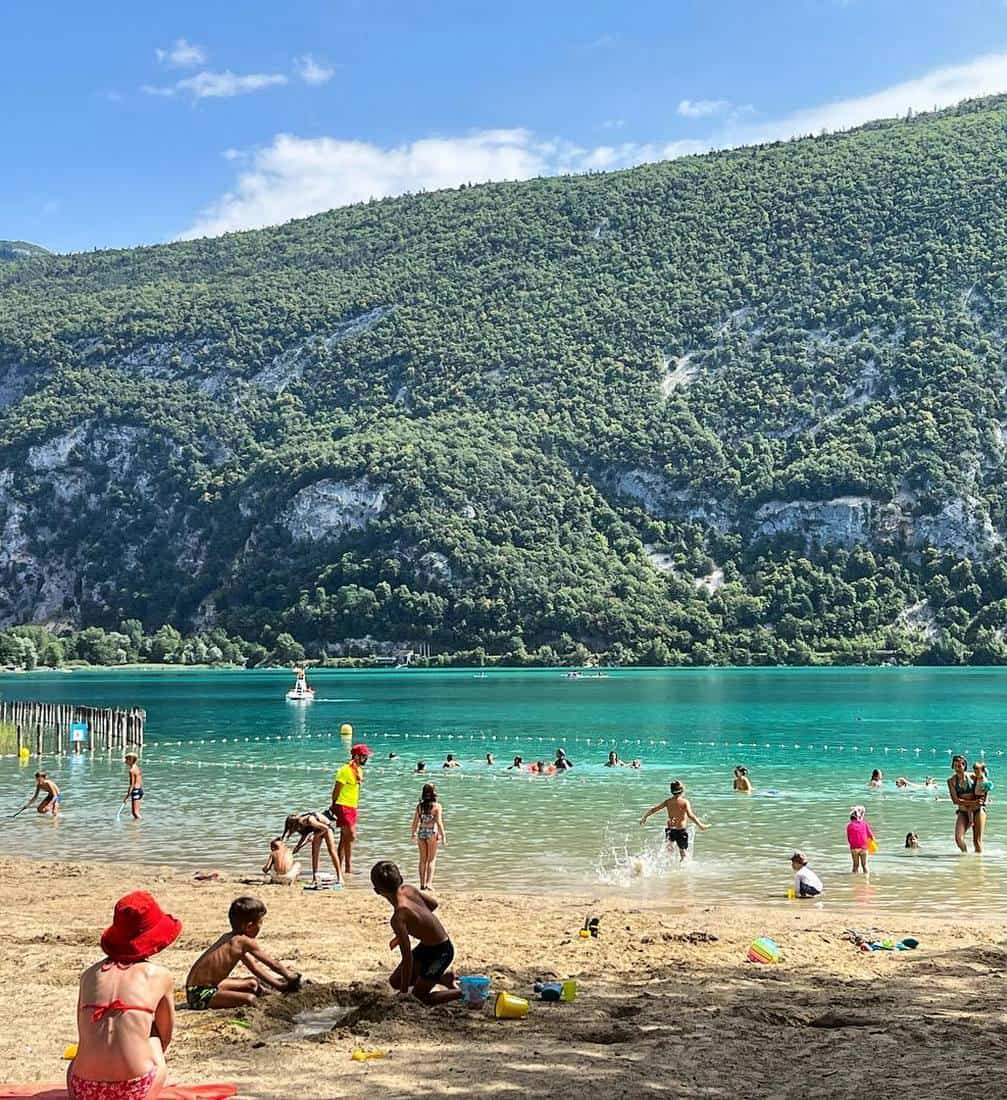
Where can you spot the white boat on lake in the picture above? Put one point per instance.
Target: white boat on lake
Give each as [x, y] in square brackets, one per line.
[300, 692]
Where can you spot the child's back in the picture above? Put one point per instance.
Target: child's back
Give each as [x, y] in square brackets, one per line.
[218, 960]
[420, 920]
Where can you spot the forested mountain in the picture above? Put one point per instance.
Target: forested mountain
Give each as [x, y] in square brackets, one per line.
[20, 250]
[747, 406]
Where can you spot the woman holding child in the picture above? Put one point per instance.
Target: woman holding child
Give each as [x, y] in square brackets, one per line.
[968, 793]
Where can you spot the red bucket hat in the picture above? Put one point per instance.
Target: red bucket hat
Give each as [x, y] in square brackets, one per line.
[140, 928]
[360, 750]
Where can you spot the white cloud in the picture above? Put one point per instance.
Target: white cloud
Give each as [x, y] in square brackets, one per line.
[702, 108]
[182, 55]
[294, 177]
[618, 123]
[312, 71]
[943, 87]
[207, 85]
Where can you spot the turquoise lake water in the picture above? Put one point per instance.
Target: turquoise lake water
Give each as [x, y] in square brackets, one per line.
[227, 758]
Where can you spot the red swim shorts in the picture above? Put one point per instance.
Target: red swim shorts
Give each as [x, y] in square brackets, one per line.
[345, 817]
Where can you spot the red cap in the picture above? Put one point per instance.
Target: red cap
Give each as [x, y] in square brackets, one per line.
[140, 928]
[360, 750]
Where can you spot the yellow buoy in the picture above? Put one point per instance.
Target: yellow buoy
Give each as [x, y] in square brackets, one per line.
[23, 754]
[346, 730]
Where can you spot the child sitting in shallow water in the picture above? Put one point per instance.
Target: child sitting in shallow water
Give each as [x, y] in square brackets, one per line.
[806, 883]
[280, 867]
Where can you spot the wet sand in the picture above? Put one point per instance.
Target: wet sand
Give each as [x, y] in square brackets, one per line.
[667, 1004]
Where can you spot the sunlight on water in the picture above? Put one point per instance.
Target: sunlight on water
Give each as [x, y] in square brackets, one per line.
[227, 759]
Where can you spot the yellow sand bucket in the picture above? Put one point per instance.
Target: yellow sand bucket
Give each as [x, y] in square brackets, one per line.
[569, 991]
[509, 1007]
[872, 846]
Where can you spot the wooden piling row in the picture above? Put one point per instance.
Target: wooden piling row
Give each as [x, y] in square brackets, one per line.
[108, 728]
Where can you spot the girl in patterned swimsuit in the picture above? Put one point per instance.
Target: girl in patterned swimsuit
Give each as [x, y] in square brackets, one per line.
[428, 829]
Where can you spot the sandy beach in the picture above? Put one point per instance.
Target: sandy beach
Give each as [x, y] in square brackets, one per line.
[667, 1002]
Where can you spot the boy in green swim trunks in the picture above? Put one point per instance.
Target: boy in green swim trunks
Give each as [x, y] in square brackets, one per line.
[209, 984]
[428, 963]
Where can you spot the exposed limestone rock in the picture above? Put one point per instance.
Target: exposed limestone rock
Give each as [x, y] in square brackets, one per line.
[435, 565]
[678, 372]
[288, 367]
[918, 618]
[327, 509]
[844, 521]
[657, 496]
[662, 562]
[14, 383]
[712, 581]
[962, 526]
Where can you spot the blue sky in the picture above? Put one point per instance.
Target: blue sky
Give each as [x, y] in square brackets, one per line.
[125, 124]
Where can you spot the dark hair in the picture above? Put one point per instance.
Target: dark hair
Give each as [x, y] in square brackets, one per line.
[958, 756]
[244, 911]
[428, 797]
[421, 764]
[292, 825]
[518, 760]
[41, 775]
[450, 756]
[876, 774]
[385, 876]
[910, 837]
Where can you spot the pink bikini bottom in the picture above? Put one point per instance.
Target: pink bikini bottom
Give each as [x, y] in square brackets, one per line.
[136, 1088]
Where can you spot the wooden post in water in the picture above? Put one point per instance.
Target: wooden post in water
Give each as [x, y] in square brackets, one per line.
[38, 740]
[20, 740]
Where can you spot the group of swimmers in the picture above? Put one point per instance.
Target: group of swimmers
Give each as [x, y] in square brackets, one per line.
[562, 763]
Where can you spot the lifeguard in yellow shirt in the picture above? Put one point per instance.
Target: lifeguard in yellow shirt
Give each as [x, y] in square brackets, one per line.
[345, 800]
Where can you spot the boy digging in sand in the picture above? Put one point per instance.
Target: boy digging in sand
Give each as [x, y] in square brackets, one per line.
[427, 964]
[209, 984]
[135, 791]
[679, 813]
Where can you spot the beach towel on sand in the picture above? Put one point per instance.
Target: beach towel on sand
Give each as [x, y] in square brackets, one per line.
[169, 1092]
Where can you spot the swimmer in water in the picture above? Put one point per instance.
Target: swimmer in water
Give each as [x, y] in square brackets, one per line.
[741, 780]
[912, 842]
[877, 779]
[679, 815]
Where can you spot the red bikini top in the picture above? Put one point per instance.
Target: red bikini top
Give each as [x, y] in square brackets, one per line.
[101, 1011]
